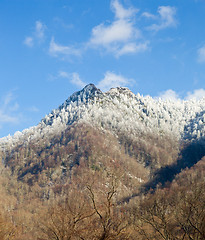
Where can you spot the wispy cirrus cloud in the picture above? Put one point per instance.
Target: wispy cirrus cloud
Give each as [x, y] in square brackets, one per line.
[132, 48]
[120, 36]
[8, 109]
[40, 30]
[113, 80]
[201, 54]
[74, 78]
[166, 18]
[149, 15]
[110, 80]
[121, 12]
[57, 50]
[28, 41]
[37, 36]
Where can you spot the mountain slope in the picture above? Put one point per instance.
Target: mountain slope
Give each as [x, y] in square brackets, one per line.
[151, 131]
[88, 167]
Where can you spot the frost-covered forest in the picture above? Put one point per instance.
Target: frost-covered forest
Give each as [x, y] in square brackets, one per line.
[119, 110]
[111, 165]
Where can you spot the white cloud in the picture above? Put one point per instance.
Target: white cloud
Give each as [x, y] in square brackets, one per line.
[149, 15]
[113, 80]
[173, 96]
[201, 54]
[37, 36]
[118, 31]
[132, 48]
[74, 78]
[110, 80]
[120, 36]
[28, 41]
[57, 49]
[120, 11]
[8, 99]
[166, 18]
[64, 74]
[39, 30]
[196, 94]
[169, 95]
[8, 109]
[7, 118]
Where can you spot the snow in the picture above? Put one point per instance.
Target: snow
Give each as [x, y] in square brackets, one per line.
[119, 110]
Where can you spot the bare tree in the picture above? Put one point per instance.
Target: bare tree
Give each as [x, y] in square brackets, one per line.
[110, 221]
[67, 219]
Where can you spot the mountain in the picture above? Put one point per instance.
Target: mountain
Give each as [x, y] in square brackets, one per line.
[150, 131]
[119, 110]
[111, 165]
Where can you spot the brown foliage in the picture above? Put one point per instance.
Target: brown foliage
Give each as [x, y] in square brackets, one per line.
[73, 186]
[177, 212]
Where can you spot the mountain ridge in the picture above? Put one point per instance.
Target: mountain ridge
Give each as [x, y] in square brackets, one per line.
[119, 110]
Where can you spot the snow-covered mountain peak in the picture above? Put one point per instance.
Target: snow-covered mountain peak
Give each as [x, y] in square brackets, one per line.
[74, 104]
[120, 111]
[89, 91]
[120, 91]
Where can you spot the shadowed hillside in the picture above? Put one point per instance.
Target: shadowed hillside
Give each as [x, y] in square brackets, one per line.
[191, 153]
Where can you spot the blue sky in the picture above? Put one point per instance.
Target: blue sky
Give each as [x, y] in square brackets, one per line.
[52, 48]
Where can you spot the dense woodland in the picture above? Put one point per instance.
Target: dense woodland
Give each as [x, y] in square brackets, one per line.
[88, 183]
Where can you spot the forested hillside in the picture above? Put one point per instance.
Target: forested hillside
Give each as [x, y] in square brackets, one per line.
[108, 165]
